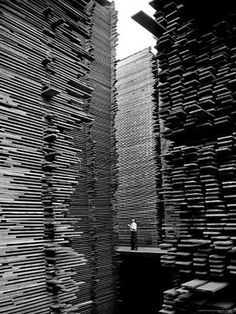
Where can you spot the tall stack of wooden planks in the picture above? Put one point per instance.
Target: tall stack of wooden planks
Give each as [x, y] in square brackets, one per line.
[196, 56]
[102, 219]
[49, 158]
[138, 149]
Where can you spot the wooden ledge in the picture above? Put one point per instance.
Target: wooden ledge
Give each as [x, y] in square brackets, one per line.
[141, 250]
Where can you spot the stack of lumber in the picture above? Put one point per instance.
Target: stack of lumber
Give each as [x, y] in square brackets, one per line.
[197, 117]
[137, 147]
[102, 217]
[46, 192]
[191, 296]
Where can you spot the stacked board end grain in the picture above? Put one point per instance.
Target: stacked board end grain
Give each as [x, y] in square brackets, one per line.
[138, 151]
[45, 98]
[102, 108]
[197, 72]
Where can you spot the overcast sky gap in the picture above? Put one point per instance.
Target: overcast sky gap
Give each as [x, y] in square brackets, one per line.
[132, 37]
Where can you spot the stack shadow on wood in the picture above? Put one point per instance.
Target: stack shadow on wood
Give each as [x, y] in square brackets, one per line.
[197, 117]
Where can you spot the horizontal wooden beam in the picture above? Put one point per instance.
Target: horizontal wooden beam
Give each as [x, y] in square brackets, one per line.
[148, 23]
[141, 250]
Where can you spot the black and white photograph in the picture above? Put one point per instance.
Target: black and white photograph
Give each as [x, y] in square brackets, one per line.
[117, 157]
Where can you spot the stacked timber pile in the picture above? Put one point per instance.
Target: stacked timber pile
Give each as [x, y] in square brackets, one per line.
[137, 133]
[197, 111]
[47, 160]
[94, 191]
[102, 78]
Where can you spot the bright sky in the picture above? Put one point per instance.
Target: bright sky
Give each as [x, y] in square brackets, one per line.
[132, 37]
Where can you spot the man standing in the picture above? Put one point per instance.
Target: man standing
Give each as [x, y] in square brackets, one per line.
[133, 229]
